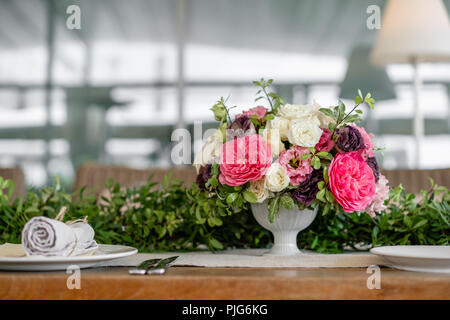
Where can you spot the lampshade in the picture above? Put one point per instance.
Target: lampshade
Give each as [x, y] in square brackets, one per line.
[413, 30]
[361, 74]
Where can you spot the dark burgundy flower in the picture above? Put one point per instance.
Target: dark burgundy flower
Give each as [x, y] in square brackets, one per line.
[307, 190]
[241, 126]
[373, 164]
[204, 174]
[349, 139]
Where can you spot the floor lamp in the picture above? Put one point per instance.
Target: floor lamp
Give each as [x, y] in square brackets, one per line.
[413, 31]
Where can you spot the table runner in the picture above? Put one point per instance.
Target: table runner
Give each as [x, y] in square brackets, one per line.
[254, 258]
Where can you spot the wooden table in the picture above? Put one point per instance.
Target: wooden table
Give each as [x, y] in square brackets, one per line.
[226, 283]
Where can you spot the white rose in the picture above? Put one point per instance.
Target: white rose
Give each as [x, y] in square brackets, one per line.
[280, 124]
[290, 111]
[272, 136]
[299, 112]
[259, 189]
[304, 133]
[210, 151]
[276, 178]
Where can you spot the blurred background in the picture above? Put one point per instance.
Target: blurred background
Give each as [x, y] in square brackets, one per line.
[112, 91]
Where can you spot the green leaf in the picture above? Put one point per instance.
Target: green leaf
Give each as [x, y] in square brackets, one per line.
[320, 185]
[220, 112]
[232, 197]
[353, 118]
[321, 195]
[273, 208]
[331, 126]
[325, 155]
[375, 231]
[305, 156]
[420, 224]
[325, 174]
[407, 221]
[328, 113]
[213, 181]
[341, 109]
[216, 244]
[250, 196]
[268, 118]
[315, 241]
[214, 221]
[215, 169]
[287, 202]
[329, 196]
[315, 162]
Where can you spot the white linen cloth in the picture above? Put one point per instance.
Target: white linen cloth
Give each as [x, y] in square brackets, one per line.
[254, 258]
[49, 237]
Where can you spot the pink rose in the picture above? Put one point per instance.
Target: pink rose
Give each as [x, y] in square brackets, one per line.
[298, 170]
[381, 194]
[325, 143]
[351, 181]
[244, 159]
[258, 111]
[367, 152]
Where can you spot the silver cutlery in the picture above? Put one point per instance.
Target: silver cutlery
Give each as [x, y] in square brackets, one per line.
[162, 266]
[153, 266]
[142, 268]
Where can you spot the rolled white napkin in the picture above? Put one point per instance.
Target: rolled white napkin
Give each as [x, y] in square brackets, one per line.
[85, 238]
[49, 237]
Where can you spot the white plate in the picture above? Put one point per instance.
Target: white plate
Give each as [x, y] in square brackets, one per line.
[104, 252]
[416, 258]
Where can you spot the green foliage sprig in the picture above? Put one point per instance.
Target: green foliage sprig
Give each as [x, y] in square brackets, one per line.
[342, 118]
[274, 100]
[171, 217]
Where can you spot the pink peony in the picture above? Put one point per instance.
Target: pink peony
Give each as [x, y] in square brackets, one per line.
[258, 111]
[351, 181]
[367, 152]
[325, 143]
[298, 170]
[244, 159]
[381, 194]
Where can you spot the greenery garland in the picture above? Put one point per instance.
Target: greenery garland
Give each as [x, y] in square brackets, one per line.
[171, 217]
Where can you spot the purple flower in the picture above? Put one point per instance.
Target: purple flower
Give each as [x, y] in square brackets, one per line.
[349, 139]
[241, 126]
[373, 164]
[307, 190]
[204, 174]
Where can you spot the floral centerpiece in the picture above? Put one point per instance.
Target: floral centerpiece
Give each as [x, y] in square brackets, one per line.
[288, 160]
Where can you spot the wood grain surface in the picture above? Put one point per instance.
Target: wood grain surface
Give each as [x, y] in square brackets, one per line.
[226, 283]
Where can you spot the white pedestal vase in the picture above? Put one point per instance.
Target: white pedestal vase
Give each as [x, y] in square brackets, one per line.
[285, 227]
